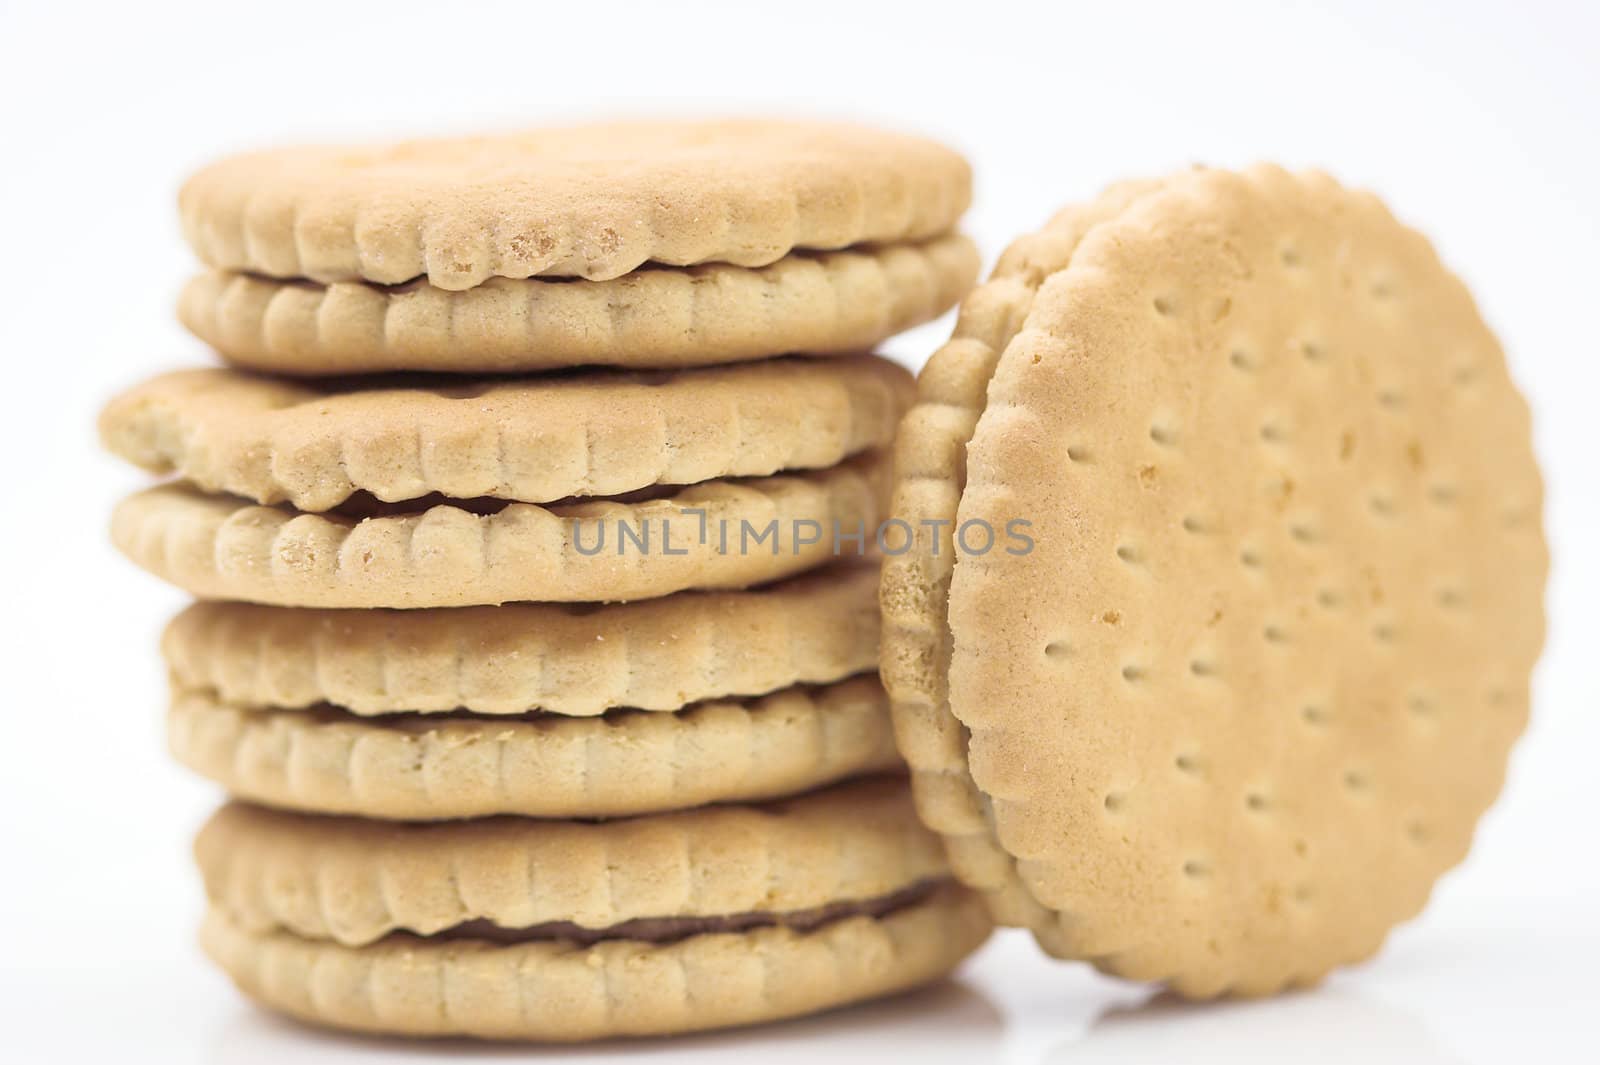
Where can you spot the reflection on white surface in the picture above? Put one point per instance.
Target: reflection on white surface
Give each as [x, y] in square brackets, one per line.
[950, 1022]
[1329, 1025]
[1464, 994]
[1013, 1004]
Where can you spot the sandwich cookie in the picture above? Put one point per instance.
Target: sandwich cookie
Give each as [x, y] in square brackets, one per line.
[1246, 697]
[517, 929]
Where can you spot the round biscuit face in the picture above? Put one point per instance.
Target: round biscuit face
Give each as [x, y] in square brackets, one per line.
[590, 201]
[1246, 697]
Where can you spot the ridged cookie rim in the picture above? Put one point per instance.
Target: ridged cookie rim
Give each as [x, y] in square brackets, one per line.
[216, 547]
[929, 465]
[354, 880]
[822, 303]
[427, 768]
[410, 986]
[658, 654]
[526, 440]
[773, 186]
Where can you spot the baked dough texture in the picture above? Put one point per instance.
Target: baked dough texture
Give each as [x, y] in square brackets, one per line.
[1245, 700]
[589, 202]
[808, 303]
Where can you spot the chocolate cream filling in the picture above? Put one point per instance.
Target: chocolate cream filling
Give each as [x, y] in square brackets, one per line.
[417, 720]
[361, 504]
[671, 929]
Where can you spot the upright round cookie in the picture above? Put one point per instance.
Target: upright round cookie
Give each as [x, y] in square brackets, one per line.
[518, 929]
[589, 202]
[1245, 697]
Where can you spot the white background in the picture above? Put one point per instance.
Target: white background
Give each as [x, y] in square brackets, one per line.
[1477, 122]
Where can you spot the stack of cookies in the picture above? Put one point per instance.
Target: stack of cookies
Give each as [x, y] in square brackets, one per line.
[538, 639]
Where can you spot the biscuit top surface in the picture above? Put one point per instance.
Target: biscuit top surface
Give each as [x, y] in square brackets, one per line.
[1246, 697]
[591, 201]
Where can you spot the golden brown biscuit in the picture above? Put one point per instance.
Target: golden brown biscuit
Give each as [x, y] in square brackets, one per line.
[436, 766]
[314, 444]
[811, 303]
[581, 660]
[1246, 697]
[717, 534]
[591, 201]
